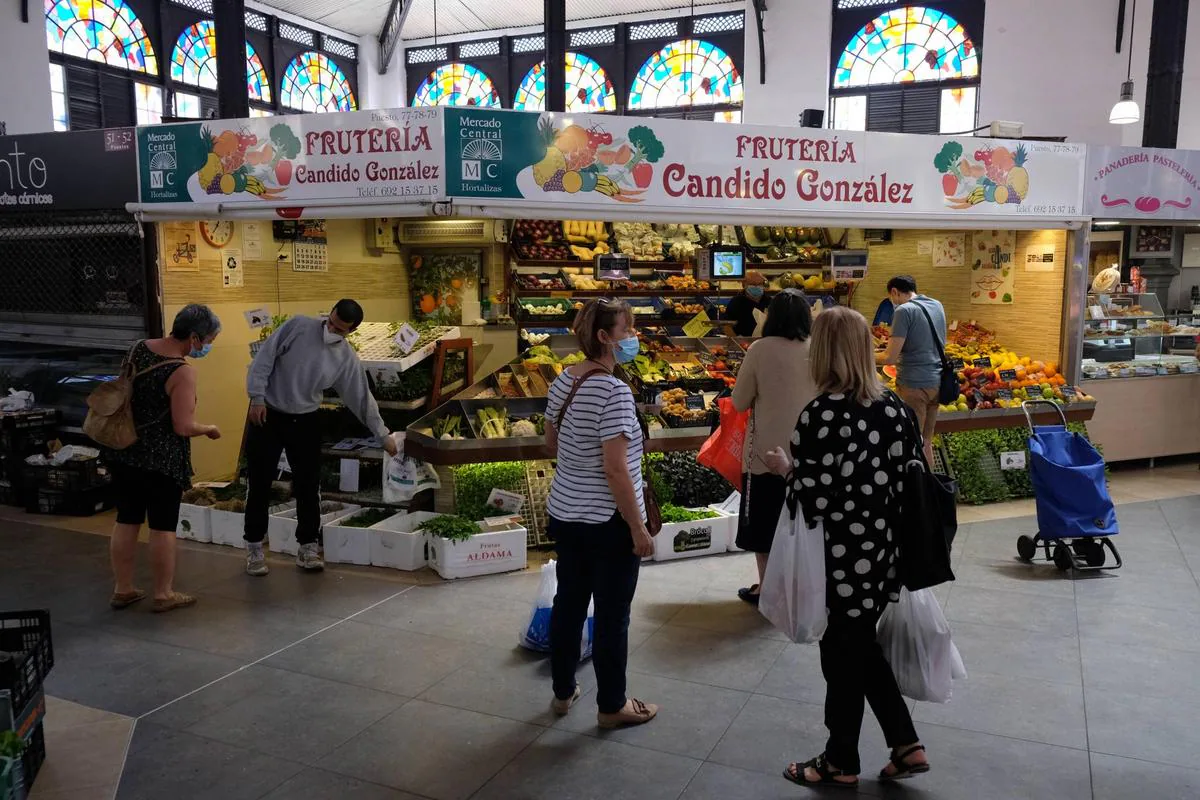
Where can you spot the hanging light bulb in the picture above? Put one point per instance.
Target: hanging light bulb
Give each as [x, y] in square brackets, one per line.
[1126, 111]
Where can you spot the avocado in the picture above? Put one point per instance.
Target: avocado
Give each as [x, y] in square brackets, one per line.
[762, 233]
[774, 253]
[793, 234]
[778, 234]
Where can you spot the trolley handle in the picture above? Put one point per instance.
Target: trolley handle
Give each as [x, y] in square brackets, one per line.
[1025, 406]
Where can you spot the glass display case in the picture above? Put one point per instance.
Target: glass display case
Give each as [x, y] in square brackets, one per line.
[1128, 336]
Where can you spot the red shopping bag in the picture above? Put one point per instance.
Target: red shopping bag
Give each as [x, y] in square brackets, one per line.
[723, 450]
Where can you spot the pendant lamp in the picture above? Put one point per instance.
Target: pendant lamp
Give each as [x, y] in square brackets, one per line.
[1126, 110]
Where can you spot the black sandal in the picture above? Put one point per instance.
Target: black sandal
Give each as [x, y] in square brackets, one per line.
[825, 775]
[903, 768]
[750, 594]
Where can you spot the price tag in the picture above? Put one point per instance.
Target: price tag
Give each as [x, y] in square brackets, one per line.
[957, 364]
[1068, 392]
[1012, 459]
[406, 337]
[348, 476]
[694, 402]
[1096, 312]
[385, 376]
[1004, 394]
[1008, 375]
[508, 502]
[697, 326]
[979, 398]
[561, 295]
[982, 363]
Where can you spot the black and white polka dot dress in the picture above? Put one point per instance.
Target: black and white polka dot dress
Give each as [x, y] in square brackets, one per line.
[849, 464]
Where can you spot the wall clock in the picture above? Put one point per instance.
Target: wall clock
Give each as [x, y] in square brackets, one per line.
[217, 232]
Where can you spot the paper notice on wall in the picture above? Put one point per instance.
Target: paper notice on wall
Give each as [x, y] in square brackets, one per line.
[949, 250]
[992, 268]
[257, 317]
[252, 240]
[232, 273]
[179, 246]
[925, 247]
[1040, 257]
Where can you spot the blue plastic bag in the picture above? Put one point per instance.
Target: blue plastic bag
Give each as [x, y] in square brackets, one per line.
[536, 634]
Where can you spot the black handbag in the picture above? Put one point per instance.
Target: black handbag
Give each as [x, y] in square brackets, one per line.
[929, 521]
[948, 388]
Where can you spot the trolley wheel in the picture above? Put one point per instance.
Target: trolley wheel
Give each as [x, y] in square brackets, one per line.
[1026, 547]
[1062, 557]
[1090, 550]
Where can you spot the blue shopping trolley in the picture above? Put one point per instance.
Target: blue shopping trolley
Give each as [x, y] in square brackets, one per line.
[1075, 514]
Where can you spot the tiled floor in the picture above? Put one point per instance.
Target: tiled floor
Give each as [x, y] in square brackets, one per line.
[344, 685]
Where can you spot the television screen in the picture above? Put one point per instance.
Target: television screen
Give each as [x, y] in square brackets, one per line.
[728, 264]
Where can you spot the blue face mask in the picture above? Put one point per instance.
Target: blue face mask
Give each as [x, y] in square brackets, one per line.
[626, 350]
[202, 352]
[755, 292]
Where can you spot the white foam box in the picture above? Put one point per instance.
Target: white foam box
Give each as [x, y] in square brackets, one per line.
[733, 527]
[346, 544]
[195, 523]
[228, 527]
[281, 526]
[496, 548]
[703, 537]
[397, 544]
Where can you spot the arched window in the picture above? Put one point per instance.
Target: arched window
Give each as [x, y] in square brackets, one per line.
[588, 88]
[194, 62]
[457, 84]
[690, 72]
[888, 74]
[106, 31]
[312, 82]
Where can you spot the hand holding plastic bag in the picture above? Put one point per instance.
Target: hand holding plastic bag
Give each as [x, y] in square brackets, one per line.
[793, 588]
[915, 638]
[404, 476]
[536, 634]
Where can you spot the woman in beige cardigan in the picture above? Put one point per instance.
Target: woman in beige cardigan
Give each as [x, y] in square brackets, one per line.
[774, 381]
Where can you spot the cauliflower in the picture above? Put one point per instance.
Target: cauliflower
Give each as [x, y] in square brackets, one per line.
[524, 427]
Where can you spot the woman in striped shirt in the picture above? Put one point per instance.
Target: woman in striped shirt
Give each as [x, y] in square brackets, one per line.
[597, 512]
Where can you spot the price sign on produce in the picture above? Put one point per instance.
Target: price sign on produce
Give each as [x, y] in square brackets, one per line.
[406, 337]
[697, 326]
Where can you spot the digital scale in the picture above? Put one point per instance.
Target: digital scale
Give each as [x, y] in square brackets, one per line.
[848, 265]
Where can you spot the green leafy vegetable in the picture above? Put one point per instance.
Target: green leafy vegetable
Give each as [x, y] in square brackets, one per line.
[366, 518]
[473, 483]
[287, 145]
[449, 526]
[11, 745]
[673, 513]
[649, 148]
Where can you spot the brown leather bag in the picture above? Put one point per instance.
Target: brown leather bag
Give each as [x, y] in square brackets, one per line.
[653, 512]
[109, 420]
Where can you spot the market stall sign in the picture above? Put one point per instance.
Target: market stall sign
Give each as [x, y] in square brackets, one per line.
[1143, 183]
[67, 171]
[669, 165]
[698, 326]
[309, 159]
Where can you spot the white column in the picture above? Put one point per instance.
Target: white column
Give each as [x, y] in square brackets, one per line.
[25, 96]
[380, 91]
[796, 34]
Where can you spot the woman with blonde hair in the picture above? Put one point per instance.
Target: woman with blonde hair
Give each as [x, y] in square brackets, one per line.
[849, 453]
[597, 512]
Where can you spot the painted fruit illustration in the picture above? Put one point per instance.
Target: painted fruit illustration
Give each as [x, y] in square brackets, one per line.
[1018, 176]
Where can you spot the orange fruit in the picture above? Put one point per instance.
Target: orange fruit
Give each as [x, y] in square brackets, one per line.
[428, 304]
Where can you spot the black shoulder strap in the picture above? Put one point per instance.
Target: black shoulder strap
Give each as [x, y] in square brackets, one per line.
[933, 330]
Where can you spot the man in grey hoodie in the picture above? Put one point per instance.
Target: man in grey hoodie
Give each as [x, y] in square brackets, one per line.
[286, 385]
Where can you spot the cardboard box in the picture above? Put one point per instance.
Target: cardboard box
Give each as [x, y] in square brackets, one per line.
[195, 523]
[496, 548]
[704, 537]
[397, 544]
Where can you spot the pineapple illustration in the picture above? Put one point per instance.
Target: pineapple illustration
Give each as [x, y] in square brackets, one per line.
[1018, 176]
[554, 164]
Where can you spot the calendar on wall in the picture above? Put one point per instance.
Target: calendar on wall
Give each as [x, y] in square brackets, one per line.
[311, 252]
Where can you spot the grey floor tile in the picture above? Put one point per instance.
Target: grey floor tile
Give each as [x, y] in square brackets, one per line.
[770, 733]
[719, 782]
[171, 764]
[513, 683]
[520, 587]
[1002, 608]
[435, 751]
[717, 659]
[1172, 586]
[294, 716]
[691, 720]
[1009, 574]
[222, 626]
[658, 601]
[331, 593]
[445, 611]
[1016, 707]
[1015, 653]
[126, 675]
[1149, 728]
[562, 765]
[1115, 778]
[723, 612]
[991, 540]
[318, 784]
[796, 675]
[380, 658]
[1153, 628]
[1133, 669]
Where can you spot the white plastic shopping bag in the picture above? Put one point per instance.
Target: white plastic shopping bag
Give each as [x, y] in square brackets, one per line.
[536, 634]
[793, 588]
[915, 638]
[404, 476]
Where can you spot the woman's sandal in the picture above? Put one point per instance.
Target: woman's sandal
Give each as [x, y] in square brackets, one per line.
[174, 601]
[125, 599]
[903, 768]
[750, 594]
[640, 715]
[826, 776]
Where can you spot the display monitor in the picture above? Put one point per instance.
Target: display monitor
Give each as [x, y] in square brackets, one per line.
[728, 263]
[611, 267]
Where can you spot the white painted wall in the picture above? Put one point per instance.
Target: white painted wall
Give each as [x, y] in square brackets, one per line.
[25, 96]
[375, 90]
[795, 33]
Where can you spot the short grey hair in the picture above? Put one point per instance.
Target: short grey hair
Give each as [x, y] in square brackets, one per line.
[195, 320]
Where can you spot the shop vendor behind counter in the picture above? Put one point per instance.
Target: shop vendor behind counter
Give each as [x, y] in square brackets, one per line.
[752, 298]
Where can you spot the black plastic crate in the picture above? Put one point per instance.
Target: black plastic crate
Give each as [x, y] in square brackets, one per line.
[80, 503]
[34, 755]
[77, 474]
[25, 420]
[11, 495]
[25, 636]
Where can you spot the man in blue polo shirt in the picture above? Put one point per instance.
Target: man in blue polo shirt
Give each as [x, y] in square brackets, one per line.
[918, 337]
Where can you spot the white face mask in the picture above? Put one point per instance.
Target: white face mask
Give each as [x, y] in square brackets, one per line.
[332, 338]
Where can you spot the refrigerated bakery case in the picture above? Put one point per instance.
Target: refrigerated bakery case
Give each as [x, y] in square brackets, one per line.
[1141, 366]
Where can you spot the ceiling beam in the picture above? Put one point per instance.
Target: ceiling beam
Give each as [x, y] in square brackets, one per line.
[759, 7]
[389, 36]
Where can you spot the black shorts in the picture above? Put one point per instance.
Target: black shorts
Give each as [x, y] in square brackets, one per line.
[143, 495]
[761, 506]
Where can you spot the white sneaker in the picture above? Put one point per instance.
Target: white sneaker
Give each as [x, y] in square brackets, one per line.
[256, 560]
[309, 557]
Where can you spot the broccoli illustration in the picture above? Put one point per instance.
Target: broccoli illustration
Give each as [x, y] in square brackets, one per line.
[287, 145]
[946, 161]
[649, 148]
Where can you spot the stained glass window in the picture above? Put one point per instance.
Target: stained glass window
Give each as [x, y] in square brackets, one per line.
[58, 98]
[690, 72]
[149, 103]
[313, 82]
[588, 88]
[457, 84]
[100, 30]
[194, 62]
[906, 45]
